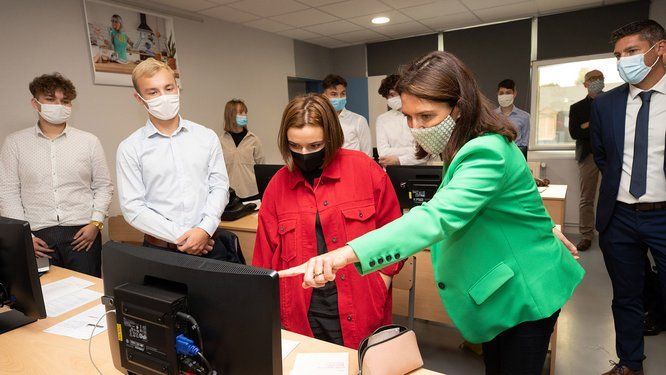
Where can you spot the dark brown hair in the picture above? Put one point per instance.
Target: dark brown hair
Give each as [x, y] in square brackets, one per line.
[442, 77]
[388, 84]
[507, 84]
[333, 80]
[310, 110]
[230, 113]
[48, 84]
[648, 30]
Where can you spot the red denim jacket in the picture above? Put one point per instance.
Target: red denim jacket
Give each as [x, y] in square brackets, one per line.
[353, 196]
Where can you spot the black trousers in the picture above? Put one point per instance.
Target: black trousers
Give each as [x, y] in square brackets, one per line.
[60, 239]
[520, 350]
[624, 244]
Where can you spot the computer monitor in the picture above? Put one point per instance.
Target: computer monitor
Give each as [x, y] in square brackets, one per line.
[236, 306]
[263, 174]
[414, 184]
[21, 289]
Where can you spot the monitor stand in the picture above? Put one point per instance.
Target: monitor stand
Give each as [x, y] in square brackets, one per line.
[13, 319]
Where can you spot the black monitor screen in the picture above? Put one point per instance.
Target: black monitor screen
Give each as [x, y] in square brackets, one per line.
[263, 174]
[414, 185]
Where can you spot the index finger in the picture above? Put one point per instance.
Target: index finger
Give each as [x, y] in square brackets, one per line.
[294, 271]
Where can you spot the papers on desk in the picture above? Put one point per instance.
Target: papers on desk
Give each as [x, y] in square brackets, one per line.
[542, 188]
[287, 347]
[321, 364]
[67, 294]
[81, 325]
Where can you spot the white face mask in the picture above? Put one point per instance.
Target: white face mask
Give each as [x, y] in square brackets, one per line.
[394, 102]
[55, 113]
[435, 138]
[164, 107]
[505, 100]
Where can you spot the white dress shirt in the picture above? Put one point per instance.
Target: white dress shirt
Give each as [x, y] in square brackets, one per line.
[168, 185]
[50, 182]
[357, 132]
[394, 138]
[656, 180]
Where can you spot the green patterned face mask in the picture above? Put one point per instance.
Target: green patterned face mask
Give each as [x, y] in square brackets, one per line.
[435, 138]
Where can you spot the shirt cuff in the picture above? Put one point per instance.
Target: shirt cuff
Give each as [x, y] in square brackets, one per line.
[98, 216]
[209, 225]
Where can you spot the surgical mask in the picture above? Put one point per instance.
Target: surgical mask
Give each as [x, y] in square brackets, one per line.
[596, 86]
[435, 138]
[505, 100]
[394, 103]
[632, 69]
[338, 103]
[164, 107]
[55, 113]
[241, 120]
[309, 162]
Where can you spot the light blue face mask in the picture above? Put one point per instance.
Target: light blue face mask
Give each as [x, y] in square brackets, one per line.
[632, 69]
[339, 103]
[241, 120]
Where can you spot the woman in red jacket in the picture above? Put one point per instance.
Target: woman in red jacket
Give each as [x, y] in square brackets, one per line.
[323, 198]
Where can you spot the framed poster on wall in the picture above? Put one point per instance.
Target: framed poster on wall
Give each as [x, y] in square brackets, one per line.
[120, 37]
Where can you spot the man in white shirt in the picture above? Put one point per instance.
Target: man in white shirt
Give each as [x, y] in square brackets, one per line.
[172, 180]
[395, 143]
[55, 177]
[354, 126]
[628, 134]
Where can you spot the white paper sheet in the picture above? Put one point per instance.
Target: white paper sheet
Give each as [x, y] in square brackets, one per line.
[65, 286]
[81, 326]
[68, 302]
[287, 347]
[321, 364]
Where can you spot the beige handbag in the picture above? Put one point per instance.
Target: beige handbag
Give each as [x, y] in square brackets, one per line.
[390, 350]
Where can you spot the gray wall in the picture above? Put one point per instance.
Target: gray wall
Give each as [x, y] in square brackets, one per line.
[311, 61]
[349, 61]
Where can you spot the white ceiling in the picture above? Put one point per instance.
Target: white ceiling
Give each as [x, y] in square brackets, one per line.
[339, 23]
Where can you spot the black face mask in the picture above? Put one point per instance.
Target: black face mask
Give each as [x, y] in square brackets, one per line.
[309, 162]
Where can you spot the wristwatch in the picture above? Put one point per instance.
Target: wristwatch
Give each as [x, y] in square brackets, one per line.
[98, 224]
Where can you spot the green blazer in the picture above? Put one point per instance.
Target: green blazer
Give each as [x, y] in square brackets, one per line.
[495, 258]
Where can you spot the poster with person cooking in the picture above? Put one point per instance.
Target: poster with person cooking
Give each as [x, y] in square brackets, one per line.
[121, 37]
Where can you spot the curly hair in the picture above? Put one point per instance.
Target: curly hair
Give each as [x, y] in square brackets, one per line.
[48, 84]
[389, 83]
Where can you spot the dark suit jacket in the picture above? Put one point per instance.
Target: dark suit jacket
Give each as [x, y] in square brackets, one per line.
[607, 123]
[579, 113]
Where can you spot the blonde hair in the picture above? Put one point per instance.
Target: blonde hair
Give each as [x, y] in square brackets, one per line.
[230, 113]
[148, 68]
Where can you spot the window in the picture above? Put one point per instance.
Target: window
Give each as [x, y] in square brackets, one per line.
[556, 85]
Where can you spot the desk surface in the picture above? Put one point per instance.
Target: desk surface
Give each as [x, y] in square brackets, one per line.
[247, 223]
[29, 350]
[558, 192]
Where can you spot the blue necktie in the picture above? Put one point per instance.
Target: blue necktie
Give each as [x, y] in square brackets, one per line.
[639, 165]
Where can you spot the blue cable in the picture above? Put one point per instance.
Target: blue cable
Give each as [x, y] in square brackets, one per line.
[185, 346]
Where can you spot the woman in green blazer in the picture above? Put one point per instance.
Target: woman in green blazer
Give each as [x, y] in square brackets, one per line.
[502, 269]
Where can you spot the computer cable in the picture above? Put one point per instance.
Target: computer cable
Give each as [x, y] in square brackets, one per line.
[92, 333]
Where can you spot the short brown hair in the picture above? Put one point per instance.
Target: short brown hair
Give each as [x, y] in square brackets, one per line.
[442, 77]
[230, 113]
[333, 80]
[148, 68]
[310, 110]
[389, 83]
[648, 30]
[48, 84]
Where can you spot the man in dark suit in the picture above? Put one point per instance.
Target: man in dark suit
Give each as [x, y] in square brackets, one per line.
[628, 129]
[588, 173]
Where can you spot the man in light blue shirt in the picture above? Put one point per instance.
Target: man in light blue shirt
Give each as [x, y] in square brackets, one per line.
[172, 180]
[506, 94]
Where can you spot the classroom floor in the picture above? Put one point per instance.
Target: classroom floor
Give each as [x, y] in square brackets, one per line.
[586, 341]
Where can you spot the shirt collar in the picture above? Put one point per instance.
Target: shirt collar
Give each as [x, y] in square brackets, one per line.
[344, 112]
[514, 110]
[150, 129]
[330, 173]
[659, 87]
[38, 131]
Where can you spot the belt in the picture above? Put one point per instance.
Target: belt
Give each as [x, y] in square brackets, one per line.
[159, 243]
[652, 206]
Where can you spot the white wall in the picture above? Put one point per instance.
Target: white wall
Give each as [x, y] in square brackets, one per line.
[218, 61]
